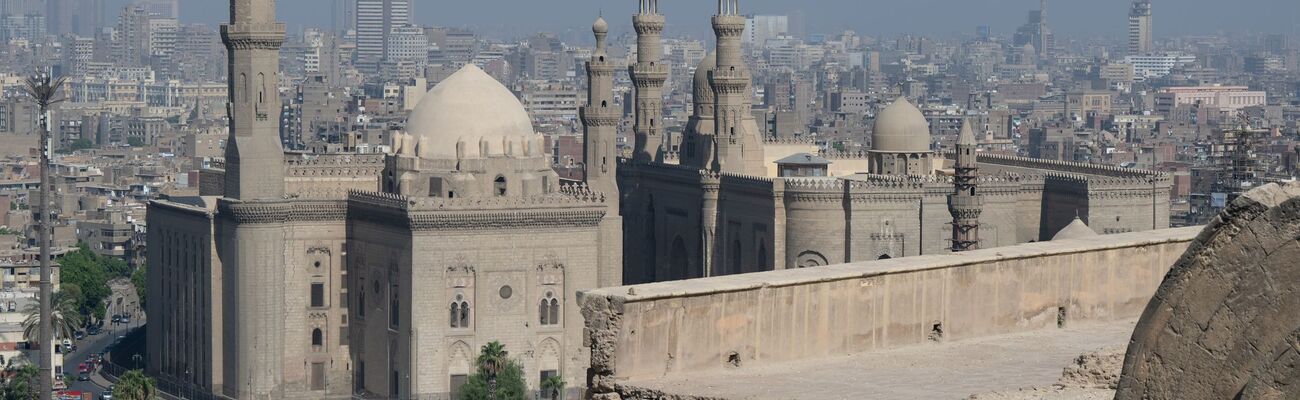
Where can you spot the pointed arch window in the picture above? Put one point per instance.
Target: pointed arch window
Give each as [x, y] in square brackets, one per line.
[317, 338]
[459, 316]
[548, 310]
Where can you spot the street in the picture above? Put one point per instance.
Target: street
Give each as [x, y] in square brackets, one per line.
[123, 299]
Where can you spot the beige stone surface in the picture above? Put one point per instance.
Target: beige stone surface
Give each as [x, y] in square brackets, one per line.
[1224, 322]
[775, 318]
[997, 367]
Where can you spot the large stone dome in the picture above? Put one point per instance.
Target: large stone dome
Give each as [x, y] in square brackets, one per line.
[470, 107]
[703, 91]
[901, 128]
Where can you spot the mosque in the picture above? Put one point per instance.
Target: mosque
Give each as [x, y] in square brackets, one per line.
[319, 276]
[736, 202]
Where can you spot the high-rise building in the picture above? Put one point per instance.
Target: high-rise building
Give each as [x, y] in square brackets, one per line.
[375, 22]
[760, 28]
[163, 8]
[78, 17]
[1036, 33]
[1139, 28]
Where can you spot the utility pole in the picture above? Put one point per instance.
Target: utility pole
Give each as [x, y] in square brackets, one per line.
[44, 89]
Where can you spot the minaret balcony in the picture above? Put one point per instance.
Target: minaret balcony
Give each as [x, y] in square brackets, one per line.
[649, 75]
[247, 35]
[600, 116]
[649, 24]
[962, 201]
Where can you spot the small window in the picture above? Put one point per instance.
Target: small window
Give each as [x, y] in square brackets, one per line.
[317, 338]
[318, 295]
[500, 186]
[394, 309]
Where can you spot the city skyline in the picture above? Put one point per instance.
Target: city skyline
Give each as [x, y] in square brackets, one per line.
[1104, 18]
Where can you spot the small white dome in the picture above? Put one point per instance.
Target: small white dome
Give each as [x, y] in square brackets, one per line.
[472, 107]
[600, 26]
[1075, 230]
[901, 128]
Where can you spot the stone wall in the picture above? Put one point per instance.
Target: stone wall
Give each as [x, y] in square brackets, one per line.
[676, 328]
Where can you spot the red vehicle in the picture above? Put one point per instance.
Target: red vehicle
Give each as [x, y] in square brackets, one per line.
[70, 395]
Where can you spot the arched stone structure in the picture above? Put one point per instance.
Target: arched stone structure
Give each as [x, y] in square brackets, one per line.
[1223, 324]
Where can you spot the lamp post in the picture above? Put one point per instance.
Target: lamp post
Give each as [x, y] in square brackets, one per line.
[44, 90]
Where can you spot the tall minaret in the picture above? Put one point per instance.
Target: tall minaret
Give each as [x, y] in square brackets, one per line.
[731, 90]
[649, 74]
[253, 213]
[966, 203]
[253, 40]
[600, 120]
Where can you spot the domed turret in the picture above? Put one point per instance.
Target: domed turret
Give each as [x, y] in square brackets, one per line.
[470, 107]
[702, 90]
[600, 27]
[1075, 230]
[901, 128]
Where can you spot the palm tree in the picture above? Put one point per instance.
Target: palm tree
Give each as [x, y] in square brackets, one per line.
[553, 385]
[135, 385]
[65, 317]
[45, 90]
[491, 361]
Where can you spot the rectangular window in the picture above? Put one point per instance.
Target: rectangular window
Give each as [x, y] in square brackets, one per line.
[546, 374]
[318, 295]
[318, 376]
[457, 381]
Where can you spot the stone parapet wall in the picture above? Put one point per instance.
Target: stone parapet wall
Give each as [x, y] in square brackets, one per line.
[762, 319]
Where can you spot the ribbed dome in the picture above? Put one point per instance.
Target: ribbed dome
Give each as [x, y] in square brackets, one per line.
[472, 107]
[1075, 230]
[901, 128]
[703, 91]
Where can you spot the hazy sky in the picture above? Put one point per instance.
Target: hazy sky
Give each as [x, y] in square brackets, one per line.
[867, 17]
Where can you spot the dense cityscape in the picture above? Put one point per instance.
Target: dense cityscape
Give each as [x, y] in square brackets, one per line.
[374, 207]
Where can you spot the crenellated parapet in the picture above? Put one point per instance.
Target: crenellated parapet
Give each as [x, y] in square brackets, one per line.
[844, 155]
[335, 166]
[1066, 166]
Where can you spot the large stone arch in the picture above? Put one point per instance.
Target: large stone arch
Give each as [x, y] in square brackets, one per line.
[1225, 322]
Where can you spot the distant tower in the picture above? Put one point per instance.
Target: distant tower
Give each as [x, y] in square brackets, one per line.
[731, 90]
[600, 120]
[649, 75]
[966, 203]
[1139, 28]
[375, 19]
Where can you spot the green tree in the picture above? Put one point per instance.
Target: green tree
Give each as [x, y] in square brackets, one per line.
[82, 268]
[140, 278]
[553, 386]
[65, 318]
[82, 144]
[91, 272]
[135, 385]
[22, 384]
[498, 377]
[135, 142]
